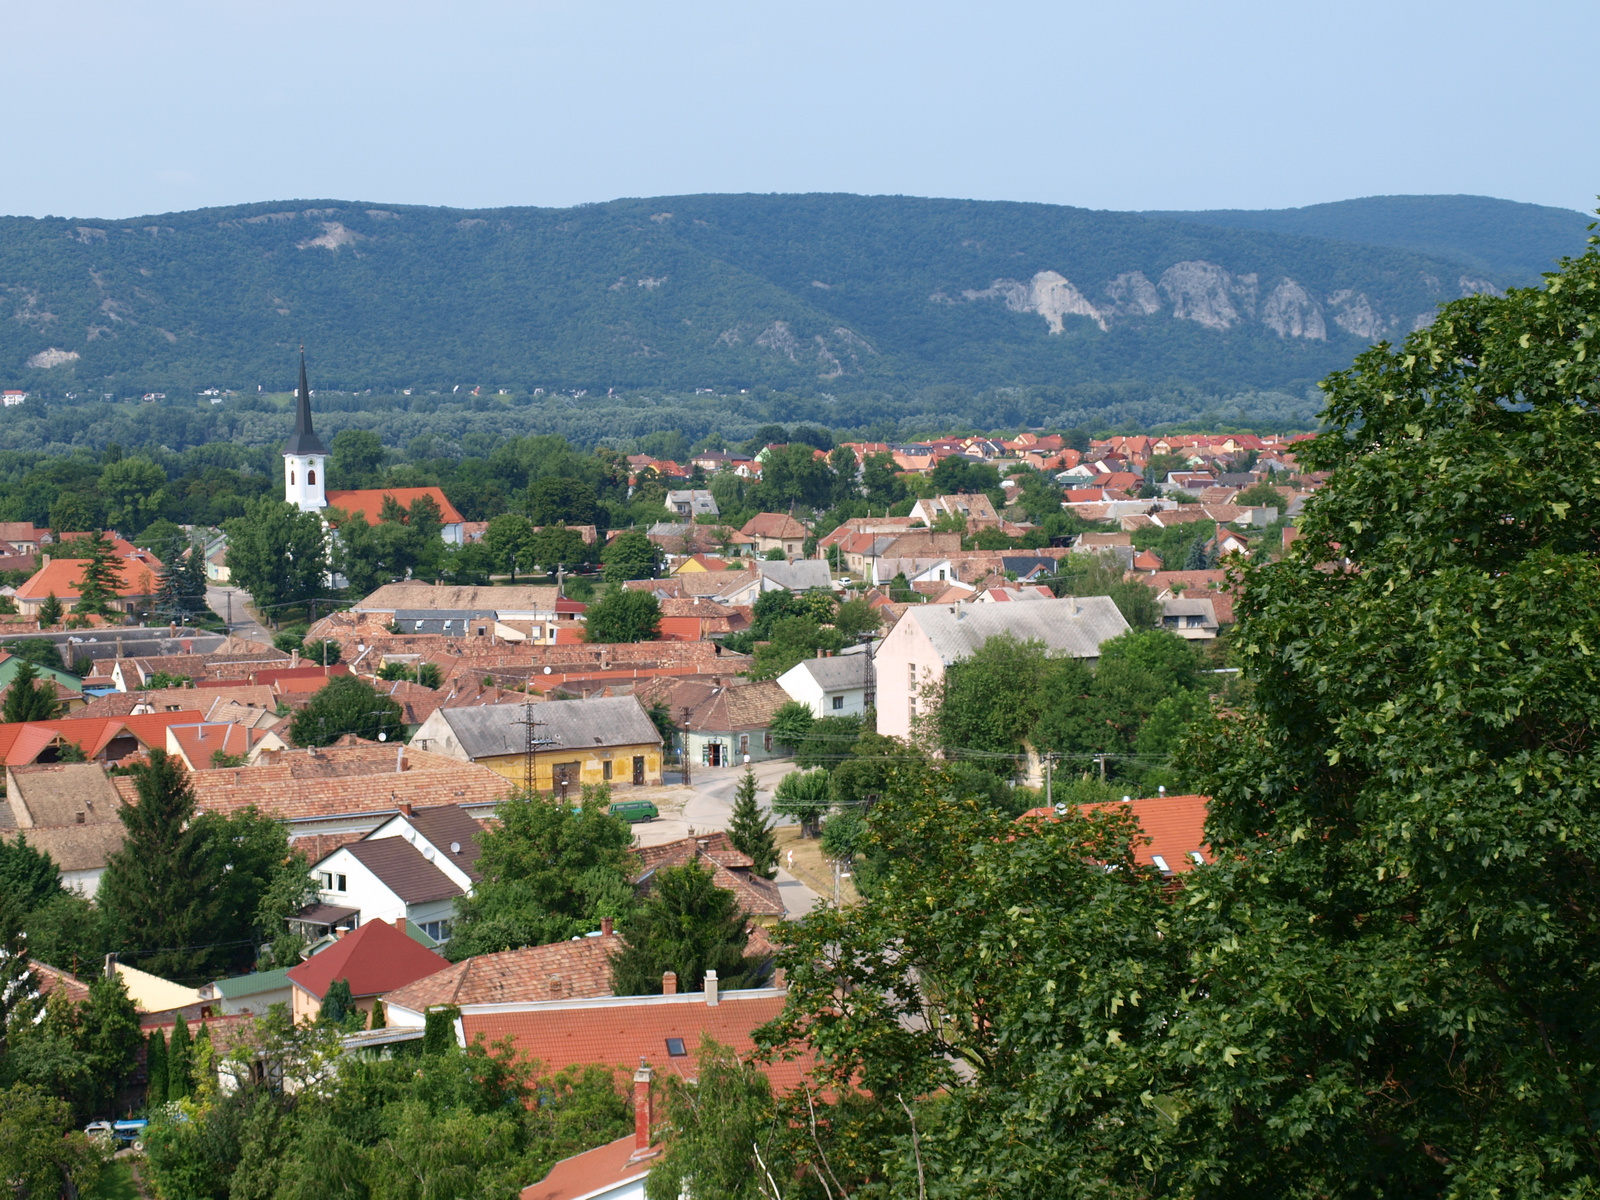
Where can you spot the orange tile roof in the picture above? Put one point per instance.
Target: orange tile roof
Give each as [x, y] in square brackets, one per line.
[582, 1175]
[22, 743]
[561, 970]
[369, 502]
[774, 525]
[617, 1033]
[376, 958]
[138, 575]
[1173, 827]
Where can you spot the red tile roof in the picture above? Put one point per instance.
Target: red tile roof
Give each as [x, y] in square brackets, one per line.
[369, 502]
[774, 525]
[22, 742]
[618, 1032]
[376, 958]
[1173, 826]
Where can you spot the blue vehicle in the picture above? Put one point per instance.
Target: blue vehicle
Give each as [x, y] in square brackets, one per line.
[130, 1132]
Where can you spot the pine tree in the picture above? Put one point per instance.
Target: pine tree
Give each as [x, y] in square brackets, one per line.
[379, 1021]
[160, 888]
[689, 926]
[337, 1002]
[192, 596]
[169, 586]
[30, 698]
[179, 1062]
[201, 1062]
[97, 590]
[749, 831]
[155, 1069]
[50, 611]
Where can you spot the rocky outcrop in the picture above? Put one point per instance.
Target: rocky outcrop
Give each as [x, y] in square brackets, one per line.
[52, 357]
[1291, 312]
[778, 339]
[334, 235]
[1471, 286]
[1132, 295]
[1049, 294]
[1202, 292]
[1353, 313]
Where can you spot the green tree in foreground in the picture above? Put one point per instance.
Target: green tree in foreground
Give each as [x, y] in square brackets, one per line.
[1381, 981]
[688, 925]
[277, 553]
[346, 704]
[711, 1125]
[97, 588]
[623, 615]
[40, 1154]
[155, 1069]
[30, 698]
[749, 830]
[631, 556]
[549, 873]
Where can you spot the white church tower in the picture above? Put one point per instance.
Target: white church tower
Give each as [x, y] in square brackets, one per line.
[304, 458]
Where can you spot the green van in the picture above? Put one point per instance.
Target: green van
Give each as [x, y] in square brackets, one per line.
[634, 811]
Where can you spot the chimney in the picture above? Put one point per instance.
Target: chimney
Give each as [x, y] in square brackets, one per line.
[606, 926]
[400, 924]
[643, 1110]
[338, 934]
[406, 809]
[80, 815]
[294, 659]
[712, 998]
[669, 983]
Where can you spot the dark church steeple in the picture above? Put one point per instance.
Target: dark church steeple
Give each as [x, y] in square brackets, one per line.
[303, 441]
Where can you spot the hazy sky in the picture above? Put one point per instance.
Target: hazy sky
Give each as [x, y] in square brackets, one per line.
[139, 107]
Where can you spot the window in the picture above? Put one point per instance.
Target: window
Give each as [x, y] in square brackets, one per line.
[744, 743]
[291, 477]
[838, 703]
[675, 1048]
[333, 883]
[311, 475]
[439, 931]
[605, 770]
[766, 740]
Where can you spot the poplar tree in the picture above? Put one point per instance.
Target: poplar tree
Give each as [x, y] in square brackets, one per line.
[179, 1061]
[155, 1069]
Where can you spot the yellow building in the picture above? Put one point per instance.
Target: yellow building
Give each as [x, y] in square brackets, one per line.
[607, 740]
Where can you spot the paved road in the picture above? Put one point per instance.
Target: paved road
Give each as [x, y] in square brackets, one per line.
[229, 604]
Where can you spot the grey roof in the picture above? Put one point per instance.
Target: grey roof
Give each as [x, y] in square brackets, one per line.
[796, 576]
[252, 985]
[448, 826]
[429, 614]
[836, 674]
[1073, 626]
[1026, 564]
[404, 871]
[1179, 607]
[497, 729]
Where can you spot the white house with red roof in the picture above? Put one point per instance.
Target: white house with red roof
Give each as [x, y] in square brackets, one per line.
[374, 959]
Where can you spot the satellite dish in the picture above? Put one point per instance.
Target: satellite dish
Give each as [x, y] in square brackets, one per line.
[547, 670]
[455, 847]
[383, 737]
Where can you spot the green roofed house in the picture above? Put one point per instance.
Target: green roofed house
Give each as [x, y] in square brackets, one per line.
[253, 993]
[69, 688]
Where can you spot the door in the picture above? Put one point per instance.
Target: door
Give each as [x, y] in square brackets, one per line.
[563, 776]
[638, 769]
[714, 750]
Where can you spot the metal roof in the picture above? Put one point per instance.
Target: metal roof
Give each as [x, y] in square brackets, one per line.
[1073, 626]
[497, 729]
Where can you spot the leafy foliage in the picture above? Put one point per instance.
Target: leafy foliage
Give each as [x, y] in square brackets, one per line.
[623, 615]
[346, 704]
[749, 830]
[551, 870]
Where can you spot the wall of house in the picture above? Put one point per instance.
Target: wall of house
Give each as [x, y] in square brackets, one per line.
[905, 666]
[591, 765]
[732, 746]
[85, 882]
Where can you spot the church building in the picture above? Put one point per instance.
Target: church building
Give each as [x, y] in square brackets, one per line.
[305, 477]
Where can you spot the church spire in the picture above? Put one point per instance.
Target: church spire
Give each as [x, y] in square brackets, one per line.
[303, 440]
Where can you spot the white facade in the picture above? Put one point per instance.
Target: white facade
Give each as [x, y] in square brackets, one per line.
[344, 881]
[830, 687]
[305, 482]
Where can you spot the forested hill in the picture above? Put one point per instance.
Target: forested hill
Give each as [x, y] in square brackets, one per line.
[1521, 241]
[807, 293]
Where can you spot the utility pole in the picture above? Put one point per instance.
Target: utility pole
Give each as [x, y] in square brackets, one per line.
[530, 744]
[1049, 761]
[683, 741]
[1101, 759]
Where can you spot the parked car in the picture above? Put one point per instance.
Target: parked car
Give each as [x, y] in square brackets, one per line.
[634, 811]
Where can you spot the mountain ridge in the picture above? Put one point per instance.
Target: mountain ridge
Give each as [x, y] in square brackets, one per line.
[810, 292]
